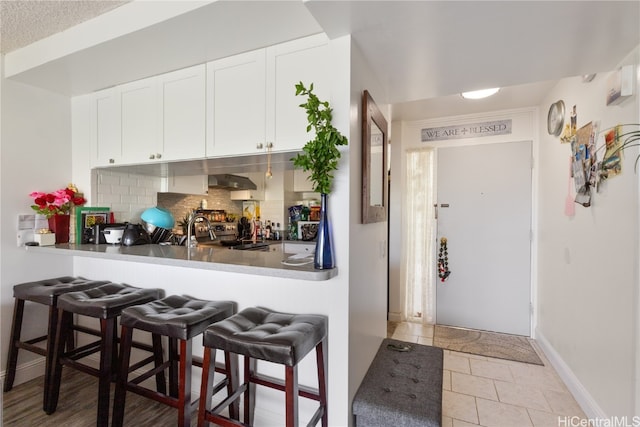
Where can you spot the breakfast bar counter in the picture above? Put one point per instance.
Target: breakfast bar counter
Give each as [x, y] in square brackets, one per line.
[274, 262]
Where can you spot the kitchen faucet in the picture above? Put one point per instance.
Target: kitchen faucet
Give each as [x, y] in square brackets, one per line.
[192, 220]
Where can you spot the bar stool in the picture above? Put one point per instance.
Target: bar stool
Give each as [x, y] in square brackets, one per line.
[259, 333]
[44, 292]
[180, 318]
[105, 303]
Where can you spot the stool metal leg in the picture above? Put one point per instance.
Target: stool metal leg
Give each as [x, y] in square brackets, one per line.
[161, 385]
[291, 395]
[184, 399]
[321, 361]
[65, 320]
[231, 368]
[107, 326]
[250, 392]
[121, 384]
[173, 367]
[206, 389]
[51, 337]
[16, 329]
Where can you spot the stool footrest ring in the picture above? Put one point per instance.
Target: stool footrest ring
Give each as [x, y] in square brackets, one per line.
[278, 384]
[30, 346]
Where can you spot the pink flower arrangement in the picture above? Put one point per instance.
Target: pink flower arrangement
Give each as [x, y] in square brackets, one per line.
[57, 203]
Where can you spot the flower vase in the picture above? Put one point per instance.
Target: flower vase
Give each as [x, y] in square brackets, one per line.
[59, 225]
[323, 259]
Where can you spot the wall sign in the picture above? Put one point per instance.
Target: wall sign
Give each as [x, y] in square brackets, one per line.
[474, 130]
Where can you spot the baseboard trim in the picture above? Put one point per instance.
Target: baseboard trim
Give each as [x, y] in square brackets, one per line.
[26, 371]
[588, 404]
[394, 316]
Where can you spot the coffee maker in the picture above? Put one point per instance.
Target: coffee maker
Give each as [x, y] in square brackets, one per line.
[244, 229]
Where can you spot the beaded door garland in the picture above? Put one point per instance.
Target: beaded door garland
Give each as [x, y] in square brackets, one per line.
[443, 260]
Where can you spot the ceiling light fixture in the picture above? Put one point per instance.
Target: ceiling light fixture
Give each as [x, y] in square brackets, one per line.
[479, 94]
[269, 174]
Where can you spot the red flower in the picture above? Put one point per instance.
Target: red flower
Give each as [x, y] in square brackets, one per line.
[78, 201]
[56, 203]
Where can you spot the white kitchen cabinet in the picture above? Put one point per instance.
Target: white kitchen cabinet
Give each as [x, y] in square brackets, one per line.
[183, 113]
[251, 98]
[106, 143]
[232, 106]
[304, 60]
[141, 121]
[161, 118]
[236, 105]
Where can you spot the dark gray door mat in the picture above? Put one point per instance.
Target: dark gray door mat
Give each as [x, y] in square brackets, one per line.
[402, 388]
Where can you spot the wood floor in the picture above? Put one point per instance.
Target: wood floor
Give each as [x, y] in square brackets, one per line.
[77, 404]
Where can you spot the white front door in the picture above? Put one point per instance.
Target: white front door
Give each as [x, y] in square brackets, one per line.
[484, 212]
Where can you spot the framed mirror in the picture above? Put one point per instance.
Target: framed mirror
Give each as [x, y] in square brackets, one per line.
[374, 162]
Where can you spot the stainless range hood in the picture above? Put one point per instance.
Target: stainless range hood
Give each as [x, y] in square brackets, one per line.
[231, 182]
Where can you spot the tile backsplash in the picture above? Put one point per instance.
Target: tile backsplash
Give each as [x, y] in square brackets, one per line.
[180, 205]
[128, 195]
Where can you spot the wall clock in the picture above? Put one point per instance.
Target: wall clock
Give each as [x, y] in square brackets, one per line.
[555, 119]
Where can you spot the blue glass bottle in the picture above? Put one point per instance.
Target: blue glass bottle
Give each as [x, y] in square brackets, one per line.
[323, 259]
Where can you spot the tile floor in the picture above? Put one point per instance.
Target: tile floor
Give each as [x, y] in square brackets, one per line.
[484, 391]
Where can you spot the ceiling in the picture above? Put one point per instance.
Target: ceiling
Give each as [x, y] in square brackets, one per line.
[24, 22]
[423, 52]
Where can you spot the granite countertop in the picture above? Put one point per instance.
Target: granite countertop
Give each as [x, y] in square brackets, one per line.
[273, 262]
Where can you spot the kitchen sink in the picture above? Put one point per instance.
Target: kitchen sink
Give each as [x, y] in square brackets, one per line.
[251, 247]
[248, 246]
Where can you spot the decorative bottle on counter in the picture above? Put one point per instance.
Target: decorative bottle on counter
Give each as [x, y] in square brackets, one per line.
[276, 232]
[267, 230]
[323, 259]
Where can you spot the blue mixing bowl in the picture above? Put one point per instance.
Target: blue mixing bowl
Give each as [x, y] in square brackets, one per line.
[158, 217]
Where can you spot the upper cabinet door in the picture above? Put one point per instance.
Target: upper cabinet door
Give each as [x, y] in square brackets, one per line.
[304, 60]
[141, 126]
[183, 119]
[106, 143]
[236, 104]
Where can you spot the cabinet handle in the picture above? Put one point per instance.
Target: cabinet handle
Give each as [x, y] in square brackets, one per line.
[259, 145]
[151, 156]
[269, 144]
[158, 156]
[112, 161]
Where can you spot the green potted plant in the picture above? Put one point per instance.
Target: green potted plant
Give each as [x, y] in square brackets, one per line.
[320, 156]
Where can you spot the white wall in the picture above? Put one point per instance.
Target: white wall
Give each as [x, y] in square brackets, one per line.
[368, 242]
[588, 264]
[36, 156]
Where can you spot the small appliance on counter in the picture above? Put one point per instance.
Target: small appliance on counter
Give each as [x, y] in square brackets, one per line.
[113, 235]
[226, 232]
[135, 234]
[96, 234]
[244, 229]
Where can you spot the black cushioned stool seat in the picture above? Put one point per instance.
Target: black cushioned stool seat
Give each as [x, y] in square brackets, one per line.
[180, 318]
[105, 303]
[44, 292]
[282, 338]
